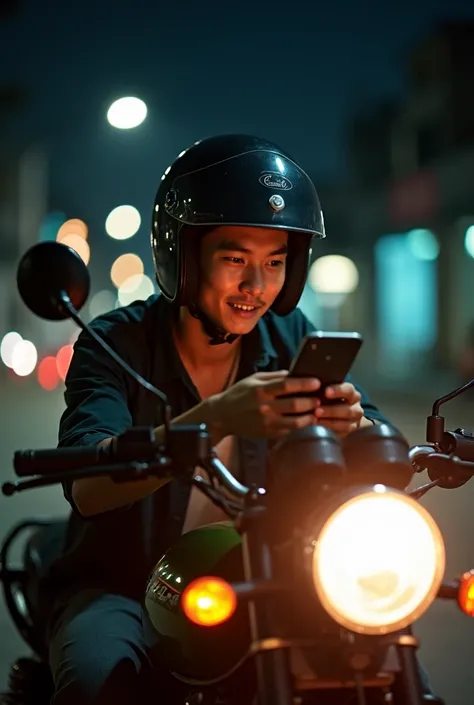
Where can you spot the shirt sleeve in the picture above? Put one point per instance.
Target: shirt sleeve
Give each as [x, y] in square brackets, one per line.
[370, 410]
[96, 397]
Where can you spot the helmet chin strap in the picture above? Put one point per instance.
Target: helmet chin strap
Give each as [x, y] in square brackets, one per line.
[217, 335]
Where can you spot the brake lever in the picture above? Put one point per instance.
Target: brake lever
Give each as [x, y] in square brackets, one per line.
[419, 492]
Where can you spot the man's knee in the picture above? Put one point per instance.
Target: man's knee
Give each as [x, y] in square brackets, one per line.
[97, 654]
[94, 682]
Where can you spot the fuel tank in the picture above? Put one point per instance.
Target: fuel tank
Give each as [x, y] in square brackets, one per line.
[191, 652]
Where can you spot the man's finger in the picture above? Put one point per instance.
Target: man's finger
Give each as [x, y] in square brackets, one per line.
[339, 411]
[268, 376]
[289, 423]
[301, 421]
[292, 385]
[345, 390]
[293, 405]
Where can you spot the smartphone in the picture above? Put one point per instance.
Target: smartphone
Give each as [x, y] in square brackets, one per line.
[328, 356]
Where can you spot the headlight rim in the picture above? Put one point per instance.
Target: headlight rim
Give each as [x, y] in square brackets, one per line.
[336, 505]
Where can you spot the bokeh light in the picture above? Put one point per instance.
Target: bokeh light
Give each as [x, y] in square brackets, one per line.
[63, 360]
[102, 302]
[51, 225]
[79, 245]
[137, 287]
[75, 335]
[124, 267]
[423, 244]
[7, 346]
[469, 241]
[123, 222]
[47, 373]
[333, 274]
[24, 358]
[73, 226]
[127, 113]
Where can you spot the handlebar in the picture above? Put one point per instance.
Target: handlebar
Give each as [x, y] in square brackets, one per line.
[132, 456]
[136, 454]
[137, 444]
[422, 457]
[226, 478]
[445, 470]
[37, 462]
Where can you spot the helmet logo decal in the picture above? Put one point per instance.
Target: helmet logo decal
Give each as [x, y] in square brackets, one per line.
[171, 200]
[276, 202]
[274, 180]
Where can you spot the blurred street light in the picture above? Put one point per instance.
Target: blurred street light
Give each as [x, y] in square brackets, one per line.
[24, 358]
[73, 226]
[63, 360]
[333, 274]
[47, 373]
[102, 302]
[469, 241]
[123, 222]
[7, 346]
[124, 267]
[136, 288]
[423, 244]
[127, 113]
[79, 245]
[333, 278]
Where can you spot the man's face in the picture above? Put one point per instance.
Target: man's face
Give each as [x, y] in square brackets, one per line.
[241, 267]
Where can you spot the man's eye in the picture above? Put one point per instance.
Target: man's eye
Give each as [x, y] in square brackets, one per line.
[235, 260]
[276, 263]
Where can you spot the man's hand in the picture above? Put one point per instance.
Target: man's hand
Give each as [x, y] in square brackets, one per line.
[251, 408]
[344, 417]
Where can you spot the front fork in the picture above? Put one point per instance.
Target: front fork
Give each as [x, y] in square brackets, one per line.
[408, 688]
[274, 682]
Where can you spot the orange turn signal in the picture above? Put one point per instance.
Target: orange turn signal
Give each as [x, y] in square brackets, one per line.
[466, 593]
[209, 601]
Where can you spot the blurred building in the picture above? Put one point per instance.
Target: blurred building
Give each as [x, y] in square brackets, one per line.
[405, 213]
[24, 202]
[24, 196]
[404, 216]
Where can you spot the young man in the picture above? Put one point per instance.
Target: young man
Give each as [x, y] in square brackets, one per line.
[232, 227]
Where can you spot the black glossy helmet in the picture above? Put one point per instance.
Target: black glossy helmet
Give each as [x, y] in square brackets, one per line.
[232, 180]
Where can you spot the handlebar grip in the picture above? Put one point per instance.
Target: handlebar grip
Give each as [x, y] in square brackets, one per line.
[460, 443]
[33, 462]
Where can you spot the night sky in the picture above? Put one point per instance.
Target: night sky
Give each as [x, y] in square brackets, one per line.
[290, 72]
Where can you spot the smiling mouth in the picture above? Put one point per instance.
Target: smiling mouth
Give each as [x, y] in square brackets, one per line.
[243, 307]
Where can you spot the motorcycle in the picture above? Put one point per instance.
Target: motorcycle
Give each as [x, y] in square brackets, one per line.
[308, 595]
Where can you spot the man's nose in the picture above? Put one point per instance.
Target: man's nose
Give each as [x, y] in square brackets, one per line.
[254, 282]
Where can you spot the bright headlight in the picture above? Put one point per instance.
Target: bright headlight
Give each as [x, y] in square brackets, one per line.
[378, 562]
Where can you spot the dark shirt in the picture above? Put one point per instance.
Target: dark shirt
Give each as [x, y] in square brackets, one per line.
[117, 550]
